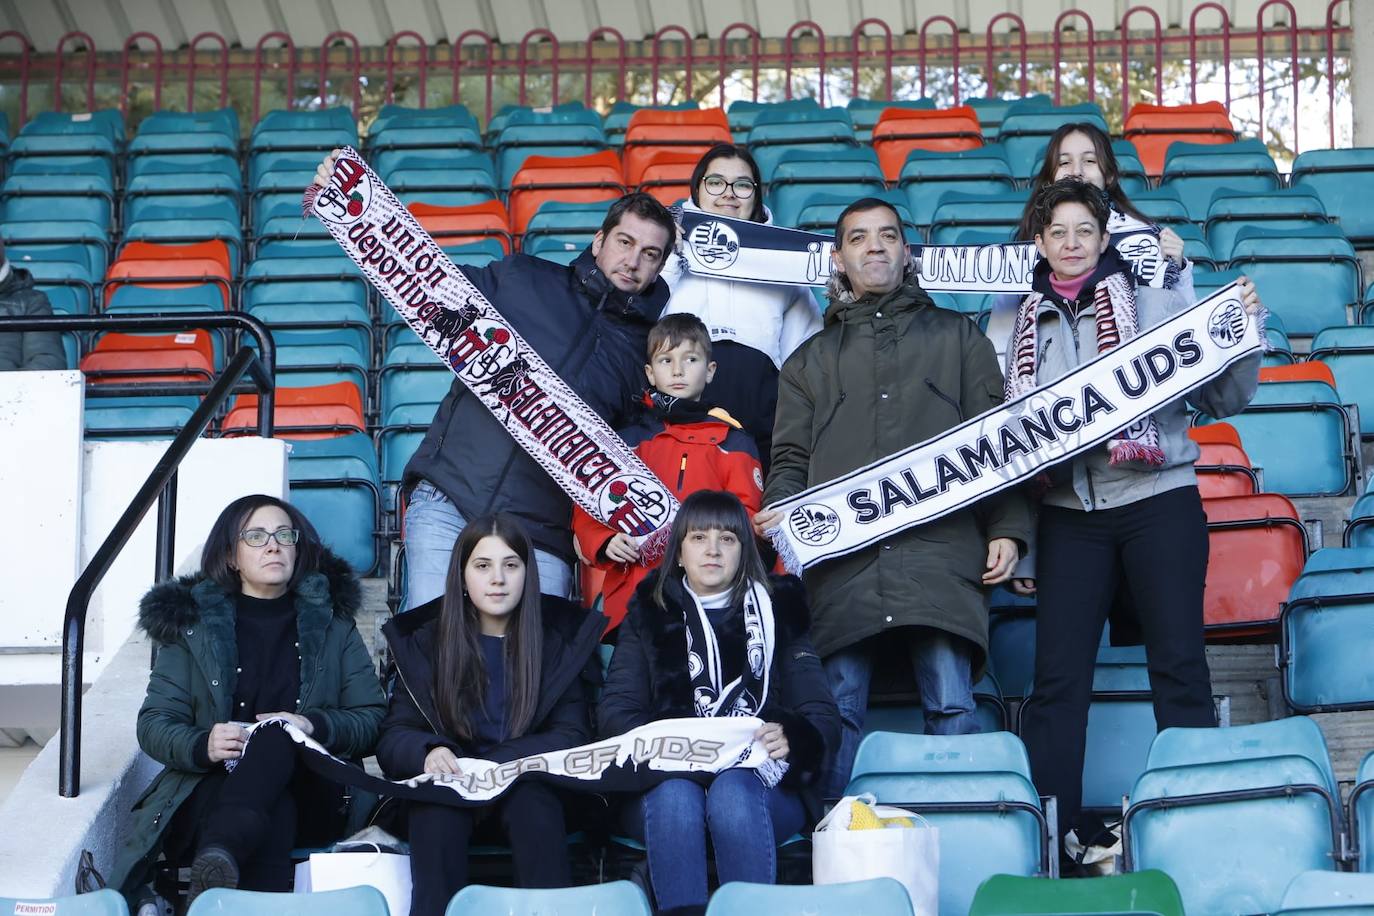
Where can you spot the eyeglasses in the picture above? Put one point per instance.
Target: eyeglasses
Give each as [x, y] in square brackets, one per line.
[716, 185]
[258, 537]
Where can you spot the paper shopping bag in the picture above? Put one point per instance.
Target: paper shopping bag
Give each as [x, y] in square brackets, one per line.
[854, 844]
[331, 871]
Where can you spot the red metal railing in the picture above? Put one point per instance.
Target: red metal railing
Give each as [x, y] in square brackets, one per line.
[475, 54]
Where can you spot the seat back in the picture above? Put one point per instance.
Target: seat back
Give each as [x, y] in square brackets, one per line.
[876, 896]
[1298, 432]
[1148, 891]
[901, 130]
[1152, 128]
[353, 901]
[461, 225]
[683, 131]
[1324, 893]
[1341, 178]
[302, 413]
[567, 179]
[185, 356]
[614, 898]
[1257, 547]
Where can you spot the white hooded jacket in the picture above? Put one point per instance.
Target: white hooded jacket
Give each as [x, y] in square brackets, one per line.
[772, 318]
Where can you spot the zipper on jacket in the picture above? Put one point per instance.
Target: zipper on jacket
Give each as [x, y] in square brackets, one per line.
[681, 472]
[946, 398]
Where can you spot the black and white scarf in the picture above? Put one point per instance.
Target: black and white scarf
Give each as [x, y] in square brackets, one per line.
[1117, 321]
[747, 694]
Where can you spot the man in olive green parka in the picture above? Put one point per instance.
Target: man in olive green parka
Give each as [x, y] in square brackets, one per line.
[890, 369]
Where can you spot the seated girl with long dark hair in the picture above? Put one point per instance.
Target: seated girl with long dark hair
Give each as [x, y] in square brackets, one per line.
[493, 670]
[710, 633]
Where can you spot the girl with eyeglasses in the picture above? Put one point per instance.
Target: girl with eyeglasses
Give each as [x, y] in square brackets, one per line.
[264, 630]
[754, 326]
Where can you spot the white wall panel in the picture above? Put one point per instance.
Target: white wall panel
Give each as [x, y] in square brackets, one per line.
[251, 20]
[147, 16]
[96, 21]
[365, 19]
[675, 12]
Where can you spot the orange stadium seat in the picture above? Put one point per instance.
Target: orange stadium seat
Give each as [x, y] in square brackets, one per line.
[151, 358]
[1224, 469]
[1153, 127]
[469, 223]
[684, 131]
[1258, 546]
[315, 412]
[668, 176]
[1223, 433]
[901, 130]
[170, 267]
[1298, 372]
[567, 179]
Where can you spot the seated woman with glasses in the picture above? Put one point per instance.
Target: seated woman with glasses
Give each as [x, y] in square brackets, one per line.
[264, 631]
[754, 326]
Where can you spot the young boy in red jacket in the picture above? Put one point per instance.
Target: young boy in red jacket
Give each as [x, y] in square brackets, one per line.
[690, 446]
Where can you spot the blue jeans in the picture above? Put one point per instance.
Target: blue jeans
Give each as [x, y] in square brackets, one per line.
[943, 666]
[746, 819]
[433, 524]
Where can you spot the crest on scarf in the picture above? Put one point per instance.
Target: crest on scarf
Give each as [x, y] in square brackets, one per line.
[814, 524]
[715, 244]
[1227, 323]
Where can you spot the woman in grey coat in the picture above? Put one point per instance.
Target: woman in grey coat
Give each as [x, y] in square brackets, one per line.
[1127, 512]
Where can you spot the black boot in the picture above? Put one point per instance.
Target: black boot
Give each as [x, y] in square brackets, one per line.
[214, 866]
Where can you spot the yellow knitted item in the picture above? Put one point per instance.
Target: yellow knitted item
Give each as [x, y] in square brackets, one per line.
[861, 817]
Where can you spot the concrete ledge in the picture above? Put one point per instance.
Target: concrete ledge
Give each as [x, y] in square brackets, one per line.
[44, 833]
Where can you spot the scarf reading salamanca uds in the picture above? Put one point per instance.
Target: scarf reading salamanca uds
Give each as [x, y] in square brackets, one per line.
[1117, 321]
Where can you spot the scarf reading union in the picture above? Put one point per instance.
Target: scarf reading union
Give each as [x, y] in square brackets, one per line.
[541, 412]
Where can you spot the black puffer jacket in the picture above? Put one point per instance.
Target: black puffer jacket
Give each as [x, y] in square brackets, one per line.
[31, 349]
[593, 336]
[648, 678]
[567, 678]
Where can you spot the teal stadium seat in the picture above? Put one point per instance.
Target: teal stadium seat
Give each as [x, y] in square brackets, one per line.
[996, 215]
[907, 718]
[138, 417]
[801, 173]
[820, 210]
[437, 176]
[1163, 206]
[1234, 814]
[1308, 276]
[614, 898]
[104, 902]
[1359, 530]
[1299, 433]
[930, 174]
[1349, 353]
[353, 901]
[1326, 639]
[1199, 170]
[184, 132]
[1232, 211]
[742, 113]
[992, 112]
[874, 897]
[1343, 179]
[1324, 893]
[975, 789]
[560, 132]
[411, 385]
[1362, 815]
[776, 132]
[564, 226]
[334, 481]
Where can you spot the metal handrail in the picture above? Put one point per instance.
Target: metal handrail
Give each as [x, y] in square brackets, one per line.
[160, 486]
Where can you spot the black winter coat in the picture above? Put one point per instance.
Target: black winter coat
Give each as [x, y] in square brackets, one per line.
[648, 678]
[593, 336]
[30, 349]
[568, 678]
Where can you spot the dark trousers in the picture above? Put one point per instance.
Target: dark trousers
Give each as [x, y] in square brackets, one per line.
[260, 811]
[531, 817]
[1158, 546]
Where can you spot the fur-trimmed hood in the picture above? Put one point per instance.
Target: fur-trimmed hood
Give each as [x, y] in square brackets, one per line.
[181, 602]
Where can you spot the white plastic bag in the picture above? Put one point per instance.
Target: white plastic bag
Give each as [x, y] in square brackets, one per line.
[388, 872]
[911, 855]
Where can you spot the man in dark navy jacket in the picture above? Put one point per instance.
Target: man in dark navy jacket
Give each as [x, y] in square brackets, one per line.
[590, 322]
